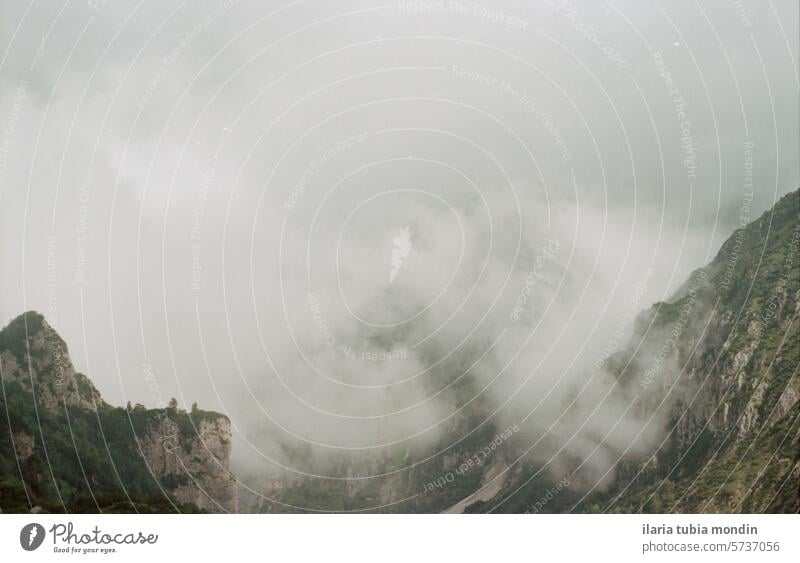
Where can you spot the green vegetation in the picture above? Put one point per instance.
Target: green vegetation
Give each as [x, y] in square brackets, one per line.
[79, 455]
[82, 461]
[747, 459]
[736, 444]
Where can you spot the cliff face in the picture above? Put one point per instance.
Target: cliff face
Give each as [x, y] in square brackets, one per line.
[194, 461]
[720, 360]
[63, 448]
[34, 356]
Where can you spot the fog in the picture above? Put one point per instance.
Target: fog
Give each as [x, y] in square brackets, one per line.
[349, 225]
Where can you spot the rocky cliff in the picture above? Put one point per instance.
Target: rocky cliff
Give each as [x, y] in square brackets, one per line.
[729, 386]
[34, 356]
[63, 448]
[716, 368]
[191, 454]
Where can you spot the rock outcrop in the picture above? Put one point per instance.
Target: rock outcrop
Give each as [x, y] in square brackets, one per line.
[64, 448]
[194, 462]
[729, 384]
[34, 355]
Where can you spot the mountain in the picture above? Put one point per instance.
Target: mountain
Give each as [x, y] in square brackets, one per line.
[715, 366]
[718, 364]
[734, 439]
[64, 449]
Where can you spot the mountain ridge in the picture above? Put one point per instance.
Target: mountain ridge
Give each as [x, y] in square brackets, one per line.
[716, 364]
[64, 449]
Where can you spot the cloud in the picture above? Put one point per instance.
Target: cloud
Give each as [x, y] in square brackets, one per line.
[223, 183]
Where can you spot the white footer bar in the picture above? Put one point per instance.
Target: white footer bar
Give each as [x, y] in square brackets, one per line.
[371, 538]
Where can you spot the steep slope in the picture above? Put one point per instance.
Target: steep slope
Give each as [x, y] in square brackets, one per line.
[717, 366]
[734, 441]
[62, 448]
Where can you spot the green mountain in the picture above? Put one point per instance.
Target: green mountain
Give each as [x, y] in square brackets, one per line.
[734, 441]
[718, 365]
[64, 449]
